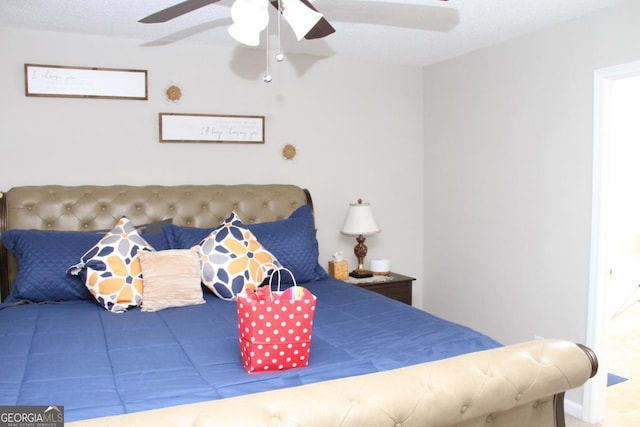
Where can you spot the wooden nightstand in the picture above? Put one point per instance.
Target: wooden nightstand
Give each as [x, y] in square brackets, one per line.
[395, 286]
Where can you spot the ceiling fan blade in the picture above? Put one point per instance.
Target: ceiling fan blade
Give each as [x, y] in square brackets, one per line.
[322, 27]
[176, 10]
[320, 30]
[398, 13]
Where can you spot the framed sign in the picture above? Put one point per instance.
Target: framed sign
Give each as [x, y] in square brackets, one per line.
[175, 127]
[84, 82]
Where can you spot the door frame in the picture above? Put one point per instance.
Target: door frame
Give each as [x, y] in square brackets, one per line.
[594, 399]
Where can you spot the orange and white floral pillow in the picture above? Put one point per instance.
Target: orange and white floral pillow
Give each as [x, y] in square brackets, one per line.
[111, 269]
[231, 258]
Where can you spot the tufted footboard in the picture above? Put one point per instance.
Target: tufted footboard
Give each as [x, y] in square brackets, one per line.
[518, 385]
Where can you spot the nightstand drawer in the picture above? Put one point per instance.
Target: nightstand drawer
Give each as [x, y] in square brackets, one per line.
[395, 286]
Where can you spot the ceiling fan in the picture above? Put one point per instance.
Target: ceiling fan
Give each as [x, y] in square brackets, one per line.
[250, 17]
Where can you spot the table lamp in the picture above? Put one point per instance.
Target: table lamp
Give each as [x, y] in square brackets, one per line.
[360, 223]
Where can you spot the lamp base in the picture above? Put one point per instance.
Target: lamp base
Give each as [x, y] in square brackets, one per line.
[360, 274]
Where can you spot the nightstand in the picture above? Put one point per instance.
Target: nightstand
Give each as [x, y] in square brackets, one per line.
[394, 286]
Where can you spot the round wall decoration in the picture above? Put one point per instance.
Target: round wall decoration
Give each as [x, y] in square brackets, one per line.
[289, 151]
[173, 93]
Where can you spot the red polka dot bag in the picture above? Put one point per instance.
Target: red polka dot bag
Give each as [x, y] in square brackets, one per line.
[275, 326]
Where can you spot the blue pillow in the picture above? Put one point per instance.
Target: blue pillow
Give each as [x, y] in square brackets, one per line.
[292, 241]
[43, 258]
[180, 237]
[157, 240]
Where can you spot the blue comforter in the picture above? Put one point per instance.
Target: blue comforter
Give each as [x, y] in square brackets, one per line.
[97, 363]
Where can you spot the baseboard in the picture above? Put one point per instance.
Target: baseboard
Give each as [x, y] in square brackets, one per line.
[572, 408]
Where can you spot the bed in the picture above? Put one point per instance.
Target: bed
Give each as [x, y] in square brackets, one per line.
[373, 361]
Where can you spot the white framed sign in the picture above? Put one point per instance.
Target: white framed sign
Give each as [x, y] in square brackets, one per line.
[84, 82]
[177, 127]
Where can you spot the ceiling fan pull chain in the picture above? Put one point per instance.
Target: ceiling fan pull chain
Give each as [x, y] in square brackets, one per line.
[267, 75]
[279, 56]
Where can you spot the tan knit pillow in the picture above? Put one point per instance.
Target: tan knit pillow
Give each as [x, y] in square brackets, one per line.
[171, 278]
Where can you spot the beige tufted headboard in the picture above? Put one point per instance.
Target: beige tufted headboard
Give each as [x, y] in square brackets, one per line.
[90, 207]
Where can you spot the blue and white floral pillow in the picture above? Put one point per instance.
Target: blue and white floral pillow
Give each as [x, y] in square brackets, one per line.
[111, 269]
[231, 258]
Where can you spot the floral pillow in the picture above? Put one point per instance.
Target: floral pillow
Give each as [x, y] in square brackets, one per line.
[291, 240]
[111, 269]
[231, 258]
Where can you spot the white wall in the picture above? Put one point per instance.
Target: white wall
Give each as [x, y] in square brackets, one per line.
[508, 170]
[357, 128]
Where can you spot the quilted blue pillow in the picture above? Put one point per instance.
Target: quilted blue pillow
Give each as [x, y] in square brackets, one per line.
[292, 241]
[157, 240]
[180, 237]
[43, 258]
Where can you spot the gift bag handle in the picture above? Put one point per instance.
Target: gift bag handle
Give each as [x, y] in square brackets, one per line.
[279, 270]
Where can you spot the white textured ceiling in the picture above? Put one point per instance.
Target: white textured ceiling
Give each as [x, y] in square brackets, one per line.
[410, 32]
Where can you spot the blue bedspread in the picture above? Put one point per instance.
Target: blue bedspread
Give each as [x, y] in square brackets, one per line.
[97, 363]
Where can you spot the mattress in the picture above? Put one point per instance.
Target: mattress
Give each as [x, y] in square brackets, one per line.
[96, 363]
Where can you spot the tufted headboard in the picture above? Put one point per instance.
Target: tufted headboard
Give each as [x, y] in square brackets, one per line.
[90, 207]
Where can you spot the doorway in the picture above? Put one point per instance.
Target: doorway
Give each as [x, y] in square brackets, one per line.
[612, 247]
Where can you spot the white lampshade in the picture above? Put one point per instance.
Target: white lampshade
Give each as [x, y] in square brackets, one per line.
[250, 17]
[359, 220]
[299, 17]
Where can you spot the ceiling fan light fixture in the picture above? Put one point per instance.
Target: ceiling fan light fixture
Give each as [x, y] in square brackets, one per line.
[250, 17]
[245, 35]
[300, 17]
